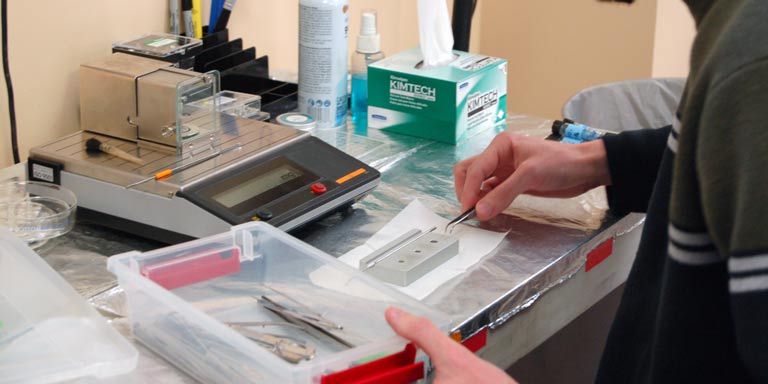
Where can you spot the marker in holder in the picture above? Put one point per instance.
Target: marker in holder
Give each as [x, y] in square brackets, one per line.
[568, 131]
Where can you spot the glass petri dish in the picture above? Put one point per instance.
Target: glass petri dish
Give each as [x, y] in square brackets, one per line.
[35, 211]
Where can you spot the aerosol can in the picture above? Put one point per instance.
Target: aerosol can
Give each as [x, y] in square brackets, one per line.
[323, 53]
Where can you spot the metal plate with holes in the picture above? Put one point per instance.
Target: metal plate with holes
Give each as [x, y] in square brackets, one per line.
[415, 259]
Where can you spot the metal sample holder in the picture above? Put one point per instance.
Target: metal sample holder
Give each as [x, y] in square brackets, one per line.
[410, 256]
[203, 166]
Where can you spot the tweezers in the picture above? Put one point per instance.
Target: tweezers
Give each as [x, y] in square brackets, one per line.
[316, 322]
[464, 216]
[307, 317]
[290, 349]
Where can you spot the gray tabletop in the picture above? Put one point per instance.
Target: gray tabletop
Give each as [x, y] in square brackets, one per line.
[539, 252]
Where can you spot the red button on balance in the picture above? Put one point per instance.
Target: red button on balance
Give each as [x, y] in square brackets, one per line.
[318, 188]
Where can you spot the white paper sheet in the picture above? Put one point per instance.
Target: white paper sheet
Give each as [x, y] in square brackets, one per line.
[474, 243]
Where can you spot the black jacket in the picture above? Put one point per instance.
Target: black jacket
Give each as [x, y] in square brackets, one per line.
[695, 307]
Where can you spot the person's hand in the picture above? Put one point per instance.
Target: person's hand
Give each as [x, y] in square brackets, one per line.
[453, 362]
[514, 164]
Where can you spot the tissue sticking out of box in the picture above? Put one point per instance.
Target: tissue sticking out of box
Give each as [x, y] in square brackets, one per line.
[435, 33]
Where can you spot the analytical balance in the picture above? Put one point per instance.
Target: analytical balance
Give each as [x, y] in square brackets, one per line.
[203, 166]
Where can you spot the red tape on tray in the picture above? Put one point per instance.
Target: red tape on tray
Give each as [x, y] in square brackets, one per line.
[599, 254]
[398, 368]
[193, 268]
[477, 341]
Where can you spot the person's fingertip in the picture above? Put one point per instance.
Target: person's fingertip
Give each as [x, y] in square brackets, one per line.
[393, 314]
[483, 210]
[399, 320]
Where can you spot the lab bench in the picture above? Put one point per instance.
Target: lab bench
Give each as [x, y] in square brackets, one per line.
[545, 273]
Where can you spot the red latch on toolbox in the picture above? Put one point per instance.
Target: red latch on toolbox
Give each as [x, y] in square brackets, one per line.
[599, 254]
[398, 368]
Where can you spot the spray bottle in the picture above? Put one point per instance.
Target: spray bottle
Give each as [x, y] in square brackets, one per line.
[323, 36]
[368, 50]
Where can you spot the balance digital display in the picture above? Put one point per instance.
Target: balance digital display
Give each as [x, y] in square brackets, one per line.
[286, 188]
[255, 187]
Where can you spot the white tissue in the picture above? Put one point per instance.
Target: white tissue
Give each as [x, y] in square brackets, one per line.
[474, 243]
[435, 33]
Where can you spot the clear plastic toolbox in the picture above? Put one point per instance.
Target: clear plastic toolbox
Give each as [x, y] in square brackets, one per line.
[244, 307]
[48, 333]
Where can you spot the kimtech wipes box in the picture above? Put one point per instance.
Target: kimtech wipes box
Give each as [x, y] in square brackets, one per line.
[448, 103]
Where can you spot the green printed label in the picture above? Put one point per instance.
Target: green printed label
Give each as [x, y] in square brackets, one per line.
[160, 42]
[368, 359]
[399, 86]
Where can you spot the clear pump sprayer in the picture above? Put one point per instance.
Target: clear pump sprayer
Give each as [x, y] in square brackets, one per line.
[368, 51]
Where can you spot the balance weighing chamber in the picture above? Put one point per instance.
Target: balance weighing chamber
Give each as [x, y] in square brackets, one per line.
[203, 166]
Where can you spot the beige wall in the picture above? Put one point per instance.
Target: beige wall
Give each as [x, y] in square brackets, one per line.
[675, 30]
[555, 47]
[45, 50]
[558, 47]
